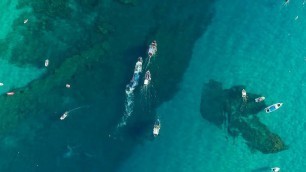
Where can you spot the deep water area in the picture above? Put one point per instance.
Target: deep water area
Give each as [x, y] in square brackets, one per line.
[92, 46]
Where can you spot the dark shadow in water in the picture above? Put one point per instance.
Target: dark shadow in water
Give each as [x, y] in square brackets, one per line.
[226, 109]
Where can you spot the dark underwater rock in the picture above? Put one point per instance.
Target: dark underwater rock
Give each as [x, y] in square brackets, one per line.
[226, 107]
[215, 96]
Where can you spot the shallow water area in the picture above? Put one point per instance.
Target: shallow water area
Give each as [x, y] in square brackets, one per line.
[13, 76]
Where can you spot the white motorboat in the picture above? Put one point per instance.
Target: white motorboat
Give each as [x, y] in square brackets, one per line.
[46, 62]
[138, 67]
[152, 49]
[259, 99]
[65, 115]
[273, 107]
[156, 128]
[243, 93]
[275, 169]
[134, 81]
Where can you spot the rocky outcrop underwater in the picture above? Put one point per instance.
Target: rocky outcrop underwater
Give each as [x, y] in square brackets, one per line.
[226, 108]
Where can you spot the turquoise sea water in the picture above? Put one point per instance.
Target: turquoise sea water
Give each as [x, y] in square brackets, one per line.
[257, 44]
[93, 45]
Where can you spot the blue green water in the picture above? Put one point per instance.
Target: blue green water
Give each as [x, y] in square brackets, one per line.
[256, 44]
[93, 45]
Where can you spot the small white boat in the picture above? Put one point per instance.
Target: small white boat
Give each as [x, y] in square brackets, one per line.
[152, 49]
[134, 81]
[273, 107]
[10, 93]
[259, 99]
[156, 128]
[25, 21]
[46, 62]
[64, 116]
[147, 78]
[1, 84]
[243, 93]
[275, 169]
[138, 66]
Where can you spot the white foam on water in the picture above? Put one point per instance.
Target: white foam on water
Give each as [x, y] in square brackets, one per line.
[128, 109]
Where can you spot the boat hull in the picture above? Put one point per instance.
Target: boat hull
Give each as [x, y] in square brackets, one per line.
[146, 82]
[259, 99]
[156, 128]
[273, 107]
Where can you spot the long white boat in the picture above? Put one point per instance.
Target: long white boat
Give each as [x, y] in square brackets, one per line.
[273, 107]
[134, 81]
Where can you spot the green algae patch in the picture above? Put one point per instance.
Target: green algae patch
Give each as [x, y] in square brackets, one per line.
[226, 108]
[48, 93]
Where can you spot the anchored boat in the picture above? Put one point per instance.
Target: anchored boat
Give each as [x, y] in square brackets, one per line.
[273, 107]
[156, 128]
[259, 99]
[46, 62]
[275, 169]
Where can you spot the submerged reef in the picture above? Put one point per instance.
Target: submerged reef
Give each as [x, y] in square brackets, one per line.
[27, 101]
[226, 108]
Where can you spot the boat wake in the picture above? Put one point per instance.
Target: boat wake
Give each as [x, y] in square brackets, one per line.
[151, 52]
[146, 96]
[129, 91]
[146, 93]
[128, 109]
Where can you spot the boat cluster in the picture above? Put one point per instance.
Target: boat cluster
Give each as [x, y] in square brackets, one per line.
[138, 69]
[268, 109]
[147, 78]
